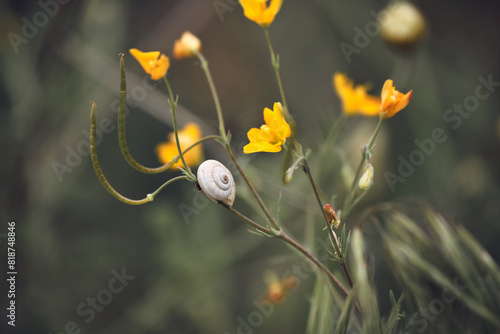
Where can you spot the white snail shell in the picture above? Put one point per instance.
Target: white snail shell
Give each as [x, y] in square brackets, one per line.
[216, 182]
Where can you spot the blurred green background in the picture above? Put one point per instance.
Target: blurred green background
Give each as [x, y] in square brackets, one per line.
[204, 273]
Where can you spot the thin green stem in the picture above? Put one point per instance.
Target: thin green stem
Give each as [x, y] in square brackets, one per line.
[173, 106]
[358, 199]
[196, 143]
[157, 191]
[276, 66]
[102, 178]
[248, 220]
[286, 112]
[352, 190]
[122, 139]
[204, 66]
[375, 133]
[269, 217]
[227, 146]
[333, 238]
[348, 206]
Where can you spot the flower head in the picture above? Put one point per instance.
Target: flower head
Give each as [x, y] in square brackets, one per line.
[393, 100]
[186, 46]
[166, 151]
[259, 12]
[271, 135]
[153, 63]
[355, 99]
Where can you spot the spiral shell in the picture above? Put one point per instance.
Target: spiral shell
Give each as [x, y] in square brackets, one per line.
[216, 182]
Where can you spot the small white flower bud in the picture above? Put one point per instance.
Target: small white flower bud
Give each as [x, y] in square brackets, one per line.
[366, 180]
[402, 25]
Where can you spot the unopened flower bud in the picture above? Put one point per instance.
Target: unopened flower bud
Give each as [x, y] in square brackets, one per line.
[402, 25]
[366, 180]
[288, 175]
[186, 46]
[331, 215]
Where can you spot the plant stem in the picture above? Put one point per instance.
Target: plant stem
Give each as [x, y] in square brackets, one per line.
[352, 191]
[248, 220]
[333, 238]
[157, 191]
[122, 139]
[289, 240]
[173, 106]
[375, 133]
[276, 66]
[270, 218]
[102, 178]
[204, 66]
[286, 113]
[227, 146]
[315, 260]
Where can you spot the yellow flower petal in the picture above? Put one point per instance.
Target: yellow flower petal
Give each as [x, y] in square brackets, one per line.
[260, 135]
[261, 147]
[272, 135]
[259, 12]
[276, 121]
[392, 100]
[190, 134]
[355, 100]
[153, 63]
[186, 46]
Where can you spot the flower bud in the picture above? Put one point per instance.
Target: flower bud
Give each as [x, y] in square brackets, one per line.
[288, 175]
[402, 25]
[186, 46]
[331, 215]
[366, 180]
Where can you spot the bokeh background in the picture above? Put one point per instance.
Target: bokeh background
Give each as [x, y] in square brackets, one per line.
[202, 273]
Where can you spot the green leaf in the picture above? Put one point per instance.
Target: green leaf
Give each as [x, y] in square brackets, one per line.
[395, 315]
[346, 312]
[367, 297]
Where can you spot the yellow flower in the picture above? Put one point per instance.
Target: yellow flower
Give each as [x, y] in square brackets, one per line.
[153, 63]
[270, 136]
[355, 100]
[187, 136]
[257, 11]
[393, 100]
[184, 47]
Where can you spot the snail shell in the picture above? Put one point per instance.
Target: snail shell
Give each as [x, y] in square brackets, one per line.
[216, 182]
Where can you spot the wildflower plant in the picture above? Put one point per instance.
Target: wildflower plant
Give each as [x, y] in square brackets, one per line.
[183, 151]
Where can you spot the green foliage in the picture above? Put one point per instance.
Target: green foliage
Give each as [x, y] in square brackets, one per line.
[450, 283]
[443, 271]
[323, 308]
